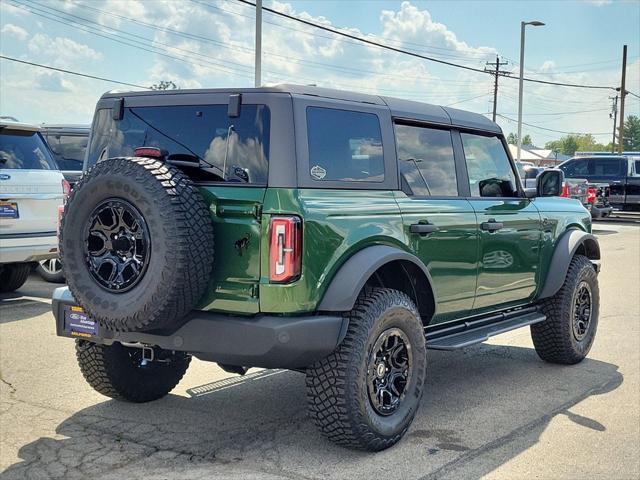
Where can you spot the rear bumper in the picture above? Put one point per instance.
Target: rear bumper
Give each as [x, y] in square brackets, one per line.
[600, 211]
[260, 341]
[17, 248]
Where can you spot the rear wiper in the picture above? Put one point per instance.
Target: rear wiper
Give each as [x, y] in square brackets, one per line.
[188, 160]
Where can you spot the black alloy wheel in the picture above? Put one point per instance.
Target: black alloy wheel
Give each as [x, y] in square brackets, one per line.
[582, 311]
[117, 245]
[389, 371]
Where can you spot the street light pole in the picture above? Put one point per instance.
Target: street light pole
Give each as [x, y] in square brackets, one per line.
[535, 23]
[258, 64]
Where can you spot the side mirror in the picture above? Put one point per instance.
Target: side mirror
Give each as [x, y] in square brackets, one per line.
[549, 183]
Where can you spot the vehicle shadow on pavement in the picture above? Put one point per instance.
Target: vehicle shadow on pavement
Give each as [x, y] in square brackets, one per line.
[482, 407]
[16, 308]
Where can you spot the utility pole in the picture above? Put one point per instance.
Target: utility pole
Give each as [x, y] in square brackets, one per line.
[623, 94]
[258, 66]
[614, 115]
[496, 73]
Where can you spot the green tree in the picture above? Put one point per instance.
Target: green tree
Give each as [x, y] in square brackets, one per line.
[164, 85]
[632, 133]
[512, 138]
[570, 144]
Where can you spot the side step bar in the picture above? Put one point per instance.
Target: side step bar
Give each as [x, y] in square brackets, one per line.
[470, 333]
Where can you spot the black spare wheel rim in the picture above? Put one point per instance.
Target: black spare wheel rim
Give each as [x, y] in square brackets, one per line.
[582, 311]
[117, 245]
[389, 371]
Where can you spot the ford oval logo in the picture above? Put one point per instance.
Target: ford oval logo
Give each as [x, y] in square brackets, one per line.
[4, 176]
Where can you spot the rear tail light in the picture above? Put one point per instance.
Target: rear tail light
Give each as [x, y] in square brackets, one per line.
[151, 152]
[565, 190]
[66, 190]
[285, 249]
[592, 193]
[60, 213]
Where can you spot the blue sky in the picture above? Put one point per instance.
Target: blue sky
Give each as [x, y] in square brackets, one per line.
[581, 43]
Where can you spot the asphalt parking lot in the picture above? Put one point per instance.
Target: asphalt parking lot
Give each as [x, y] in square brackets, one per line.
[492, 411]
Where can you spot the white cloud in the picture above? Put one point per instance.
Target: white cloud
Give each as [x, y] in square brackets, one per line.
[600, 3]
[15, 31]
[61, 50]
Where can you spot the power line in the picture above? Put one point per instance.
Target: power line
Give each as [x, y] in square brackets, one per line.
[461, 55]
[312, 64]
[159, 51]
[410, 53]
[565, 113]
[551, 129]
[70, 72]
[467, 99]
[187, 58]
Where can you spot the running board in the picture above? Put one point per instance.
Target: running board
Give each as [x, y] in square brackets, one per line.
[470, 333]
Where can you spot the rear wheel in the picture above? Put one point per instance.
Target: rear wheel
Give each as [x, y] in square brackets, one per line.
[566, 336]
[366, 393]
[13, 276]
[122, 372]
[51, 270]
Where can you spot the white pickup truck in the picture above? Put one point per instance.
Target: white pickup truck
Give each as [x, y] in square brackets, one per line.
[31, 191]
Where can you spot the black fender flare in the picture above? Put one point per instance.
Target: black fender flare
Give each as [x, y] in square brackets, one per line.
[566, 248]
[343, 291]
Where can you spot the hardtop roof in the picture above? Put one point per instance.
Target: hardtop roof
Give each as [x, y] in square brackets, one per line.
[400, 108]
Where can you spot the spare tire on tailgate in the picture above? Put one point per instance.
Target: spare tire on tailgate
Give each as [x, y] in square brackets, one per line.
[136, 242]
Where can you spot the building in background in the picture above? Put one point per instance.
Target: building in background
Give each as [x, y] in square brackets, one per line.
[540, 157]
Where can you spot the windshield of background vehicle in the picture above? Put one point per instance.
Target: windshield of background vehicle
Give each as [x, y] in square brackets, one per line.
[23, 149]
[68, 150]
[202, 139]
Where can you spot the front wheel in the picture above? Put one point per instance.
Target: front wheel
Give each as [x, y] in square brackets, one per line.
[366, 393]
[566, 336]
[122, 373]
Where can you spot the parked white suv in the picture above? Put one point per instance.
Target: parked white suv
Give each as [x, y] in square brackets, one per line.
[31, 190]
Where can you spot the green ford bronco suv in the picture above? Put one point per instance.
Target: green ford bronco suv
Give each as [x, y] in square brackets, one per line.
[332, 233]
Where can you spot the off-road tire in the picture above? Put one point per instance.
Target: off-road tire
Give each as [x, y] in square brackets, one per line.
[337, 385]
[52, 277]
[13, 276]
[181, 244]
[554, 338]
[111, 372]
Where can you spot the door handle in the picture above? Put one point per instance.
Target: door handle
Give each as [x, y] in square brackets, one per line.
[491, 225]
[423, 228]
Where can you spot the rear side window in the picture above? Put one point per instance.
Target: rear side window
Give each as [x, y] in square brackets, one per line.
[490, 172]
[575, 168]
[425, 158]
[68, 150]
[607, 167]
[531, 173]
[20, 149]
[202, 140]
[344, 145]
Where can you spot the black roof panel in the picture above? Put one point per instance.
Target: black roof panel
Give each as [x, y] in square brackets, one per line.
[399, 107]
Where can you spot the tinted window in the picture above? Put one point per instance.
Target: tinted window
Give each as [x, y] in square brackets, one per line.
[21, 149]
[68, 150]
[425, 156]
[344, 145]
[637, 168]
[531, 172]
[607, 167]
[203, 140]
[490, 172]
[575, 168]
